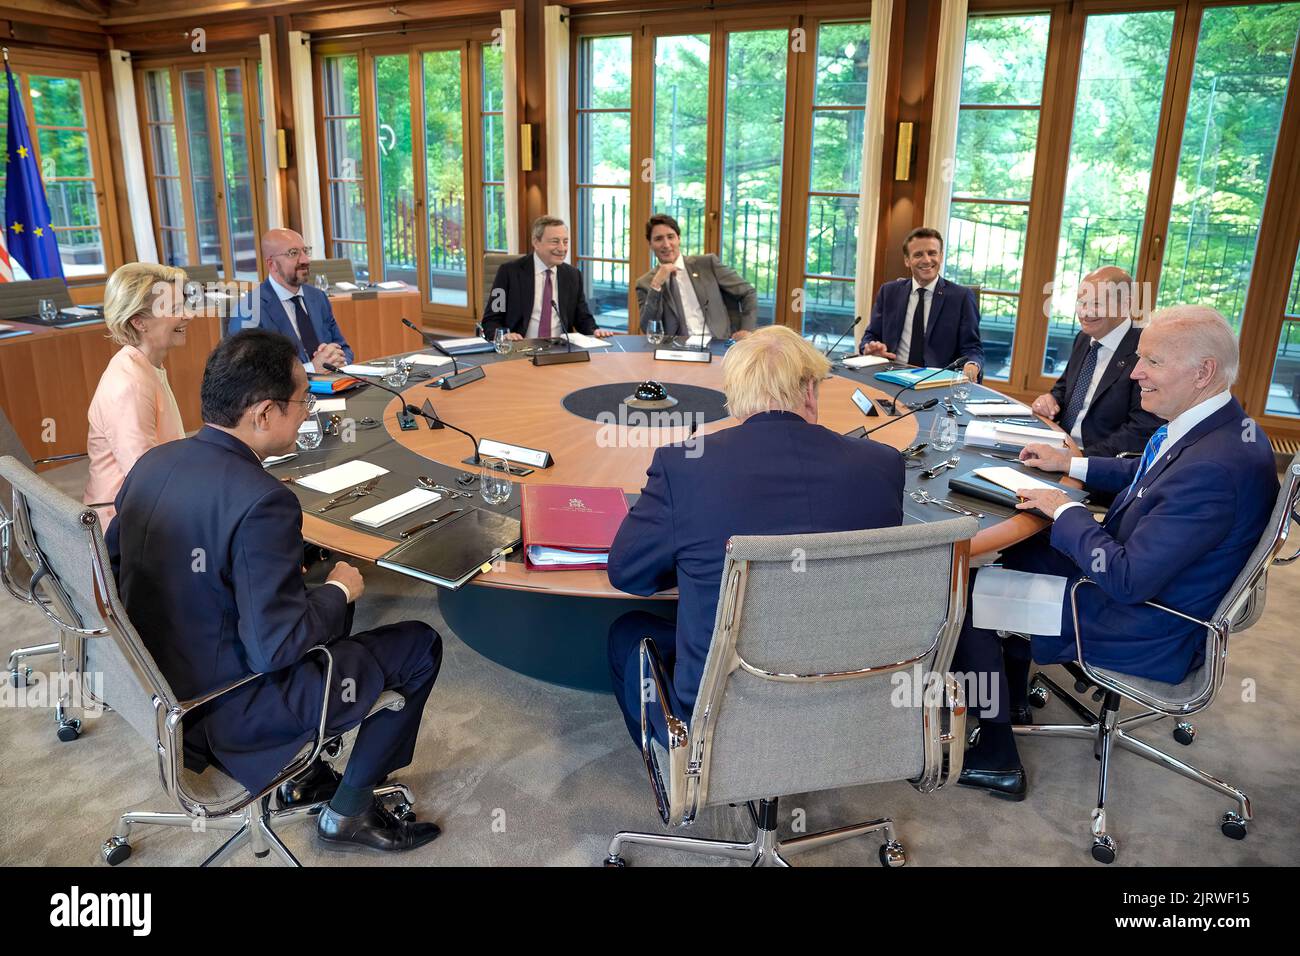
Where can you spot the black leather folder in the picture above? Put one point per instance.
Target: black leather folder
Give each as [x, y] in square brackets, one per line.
[450, 553]
[977, 487]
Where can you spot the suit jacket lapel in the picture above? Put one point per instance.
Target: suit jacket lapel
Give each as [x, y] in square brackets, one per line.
[273, 315]
[938, 301]
[526, 284]
[702, 296]
[897, 316]
[1121, 363]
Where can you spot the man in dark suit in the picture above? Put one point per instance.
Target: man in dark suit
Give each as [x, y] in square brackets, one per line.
[1185, 519]
[693, 295]
[207, 547]
[287, 303]
[950, 329]
[539, 296]
[799, 478]
[1096, 401]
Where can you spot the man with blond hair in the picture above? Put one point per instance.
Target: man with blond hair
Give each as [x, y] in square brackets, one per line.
[776, 472]
[1186, 516]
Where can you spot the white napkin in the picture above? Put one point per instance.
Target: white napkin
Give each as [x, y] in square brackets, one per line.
[395, 508]
[333, 480]
[348, 286]
[331, 404]
[864, 361]
[392, 285]
[1017, 601]
[461, 343]
[998, 410]
[434, 360]
[356, 368]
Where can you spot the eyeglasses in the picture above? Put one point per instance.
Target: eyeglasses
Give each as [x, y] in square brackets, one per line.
[295, 252]
[309, 402]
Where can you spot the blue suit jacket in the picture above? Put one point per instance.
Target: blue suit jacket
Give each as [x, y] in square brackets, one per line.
[207, 551]
[952, 332]
[1179, 539]
[268, 313]
[772, 474]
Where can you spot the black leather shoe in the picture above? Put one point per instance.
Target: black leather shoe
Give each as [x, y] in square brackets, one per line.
[1022, 715]
[316, 784]
[1007, 784]
[374, 828]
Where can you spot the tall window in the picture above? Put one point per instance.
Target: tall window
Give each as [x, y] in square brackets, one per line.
[997, 142]
[1284, 389]
[603, 175]
[681, 135]
[444, 145]
[492, 125]
[398, 225]
[204, 164]
[835, 177]
[344, 167]
[1243, 63]
[64, 142]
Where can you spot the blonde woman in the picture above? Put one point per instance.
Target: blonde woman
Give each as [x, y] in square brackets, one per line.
[134, 408]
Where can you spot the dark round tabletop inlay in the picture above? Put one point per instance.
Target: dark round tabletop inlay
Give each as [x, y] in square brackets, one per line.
[605, 404]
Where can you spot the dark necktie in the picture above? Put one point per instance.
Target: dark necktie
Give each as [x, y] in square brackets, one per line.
[1081, 385]
[675, 302]
[544, 320]
[916, 350]
[1149, 456]
[306, 332]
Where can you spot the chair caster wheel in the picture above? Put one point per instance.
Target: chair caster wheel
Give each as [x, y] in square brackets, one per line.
[1233, 826]
[115, 851]
[69, 730]
[617, 862]
[1039, 696]
[1184, 733]
[892, 855]
[1103, 849]
[404, 812]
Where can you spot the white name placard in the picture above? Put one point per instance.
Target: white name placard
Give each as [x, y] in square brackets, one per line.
[534, 457]
[682, 355]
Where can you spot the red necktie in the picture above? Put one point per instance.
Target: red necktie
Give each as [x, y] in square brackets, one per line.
[544, 320]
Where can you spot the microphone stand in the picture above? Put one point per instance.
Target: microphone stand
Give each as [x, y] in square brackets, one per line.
[436, 423]
[919, 408]
[404, 420]
[835, 344]
[457, 378]
[894, 403]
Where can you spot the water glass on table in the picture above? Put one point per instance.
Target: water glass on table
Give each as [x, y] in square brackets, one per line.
[494, 480]
[654, 331]
[310, 433]
[323, 284]
[48, 310]
[960, 388]
[397, 374]
[943, 432]
[501, 342]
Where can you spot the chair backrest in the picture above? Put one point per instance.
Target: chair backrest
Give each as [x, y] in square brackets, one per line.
[20, 300]
[492, 261]
[1243, 605]
[69, 549]
[336, 270]
[204, 273]
[818, 645]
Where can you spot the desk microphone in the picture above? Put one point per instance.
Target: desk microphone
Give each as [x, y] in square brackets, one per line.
[893, 402]
[919, 408]
[836, 343]
[404, 420]
[457, 378]
[431, 416]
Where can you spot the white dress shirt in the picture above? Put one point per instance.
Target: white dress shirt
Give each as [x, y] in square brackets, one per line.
[696, 325]
[1174, 431]
[540, 269]
[905, 340]
[1109, 344]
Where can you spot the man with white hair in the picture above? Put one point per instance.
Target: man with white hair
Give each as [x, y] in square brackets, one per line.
[1186, 517]
[777, 472]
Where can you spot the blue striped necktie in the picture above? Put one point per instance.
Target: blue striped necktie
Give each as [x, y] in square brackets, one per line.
[1149, 456]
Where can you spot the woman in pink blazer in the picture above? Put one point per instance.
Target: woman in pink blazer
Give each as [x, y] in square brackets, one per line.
[134, 409]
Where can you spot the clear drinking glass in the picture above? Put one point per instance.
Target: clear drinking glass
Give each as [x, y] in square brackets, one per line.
[654, 331]
[960, 388]
[310, 433]
[943, 433]
[323, 284]
[397, 374]
[48, 310]
[501, 342]
[494, 480]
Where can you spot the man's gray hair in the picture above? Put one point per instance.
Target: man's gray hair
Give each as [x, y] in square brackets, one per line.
[540, 224]
[1202, 333]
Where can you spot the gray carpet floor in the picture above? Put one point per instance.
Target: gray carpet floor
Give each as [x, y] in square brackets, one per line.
[521, 772]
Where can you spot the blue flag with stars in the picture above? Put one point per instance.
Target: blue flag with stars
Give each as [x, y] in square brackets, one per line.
[28, 231]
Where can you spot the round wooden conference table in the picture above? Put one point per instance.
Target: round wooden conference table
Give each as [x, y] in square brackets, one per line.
[535, 621]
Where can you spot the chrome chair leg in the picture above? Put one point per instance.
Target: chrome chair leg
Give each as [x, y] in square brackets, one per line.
[1081, 731]
[1103, 845]
[19, 678]
[227, 849]
[813, 841]
[722, 848]
[1143, 749]
[272, 840]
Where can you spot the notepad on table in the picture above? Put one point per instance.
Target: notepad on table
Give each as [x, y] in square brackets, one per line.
[997, 409]
[395, 508]
[333, 480]
[995, 434]
[331, 404]
[587, 341]
[1011, 479]
[392, 285]
[864, 361]
[347, 286]
[434, 360]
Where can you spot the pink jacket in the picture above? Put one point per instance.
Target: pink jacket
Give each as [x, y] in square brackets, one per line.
[132, 411]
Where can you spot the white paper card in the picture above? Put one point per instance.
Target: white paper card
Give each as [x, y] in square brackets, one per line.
[434, 360]
[347, 286]
[461, 343]
[991, 434]
[78, 310]
[357, 368]
[331, 404]
[1011, 479]
[395, 508]
[998, 410]
[865, 361]
[588, 341]
[333, 480]
[274, 459]
[392, 285]
[1017, 601]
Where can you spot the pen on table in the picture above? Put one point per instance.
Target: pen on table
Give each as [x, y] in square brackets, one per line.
[414, 529]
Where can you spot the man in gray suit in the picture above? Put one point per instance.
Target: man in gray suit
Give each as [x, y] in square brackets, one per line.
[699, 306]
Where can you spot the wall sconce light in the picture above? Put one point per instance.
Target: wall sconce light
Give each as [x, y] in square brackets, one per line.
[526, 147]
[903, 157]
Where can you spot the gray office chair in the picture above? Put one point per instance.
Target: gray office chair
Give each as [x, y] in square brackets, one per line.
[74, 587]
[20, 300]
[796, 691]
[1240, 609]
[335, 270]
[204, 273]
[16, 564]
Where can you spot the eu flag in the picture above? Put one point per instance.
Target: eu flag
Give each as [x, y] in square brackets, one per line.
[28, 231]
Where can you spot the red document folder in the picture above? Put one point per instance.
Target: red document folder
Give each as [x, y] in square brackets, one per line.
[573, 518]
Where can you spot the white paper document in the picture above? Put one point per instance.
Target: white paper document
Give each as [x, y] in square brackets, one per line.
[1018, 601]
[461, 343]
[1011, 479]
[991, 434]
[588, 341]
[356, 368]
[79, 310]
[998, 410]
[544, 557]
[392, 285]
[395, 508]
[333, 480]
[347, 286]
[865, 361]
[331, 404]
[434, 360]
